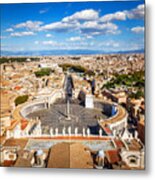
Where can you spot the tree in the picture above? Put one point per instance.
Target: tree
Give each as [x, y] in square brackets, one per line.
[74, 68]
[21, 99]
[43, 72]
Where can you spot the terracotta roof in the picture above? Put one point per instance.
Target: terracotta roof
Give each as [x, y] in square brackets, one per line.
[119, 143]
[112, 156]
[69, 155]
[8, 163]
[5, 83]
[24, 159]
[4, 92]
[16, 76]
[24, 124]
[59, 156]
[16, 142]
[13, 124]
[80, 157]
[135, 101]
[107, 130]
[17, 87]
[2, 139]
[134, 145]
[142, 122]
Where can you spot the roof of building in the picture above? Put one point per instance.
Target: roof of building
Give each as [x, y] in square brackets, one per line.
[13, 124]
[112, 156]
[136, 102]
[5, 104]
[107, 130]
[133, 145]
[24, 159]
[8, 163]
[24, 124]
[119, 143]
[69, 155]
[16, 142]
[17, 88]
[2, 139]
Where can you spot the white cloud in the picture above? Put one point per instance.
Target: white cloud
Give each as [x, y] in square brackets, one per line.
[137, 13]
[90, 24]
[76, 38]
[71, 22]
[88, 37]
[9, 30]
[115, 16]
[95, 28]
[112, 43]
[109, 44]
[59, 26]
[48, 35]
[138, 29]
[85, 15]
[32, 25]
[20, 34]
[86, 22]
[53, 43]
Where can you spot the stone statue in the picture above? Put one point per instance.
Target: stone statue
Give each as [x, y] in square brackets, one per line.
[56, 131]
[100, 132]
[88, 132]
[76, 131]
[69, 130]
[83, 132]
[63, 131]
[51, 131]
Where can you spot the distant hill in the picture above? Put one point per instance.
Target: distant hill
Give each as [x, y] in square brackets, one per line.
[64, 52]
[130, 52]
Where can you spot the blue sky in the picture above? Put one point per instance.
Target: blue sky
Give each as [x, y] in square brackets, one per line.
[106, 26]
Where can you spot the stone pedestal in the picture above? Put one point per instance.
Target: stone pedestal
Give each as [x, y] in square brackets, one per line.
[88, 132]
[89, 101]
[56, 131]
[83, 132]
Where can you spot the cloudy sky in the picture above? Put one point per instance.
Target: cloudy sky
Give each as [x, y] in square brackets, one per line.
[106, 26]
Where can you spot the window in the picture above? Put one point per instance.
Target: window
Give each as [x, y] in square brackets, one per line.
[133, 161]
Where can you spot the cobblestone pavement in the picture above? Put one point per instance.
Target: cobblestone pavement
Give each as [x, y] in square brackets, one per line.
[81, 117]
